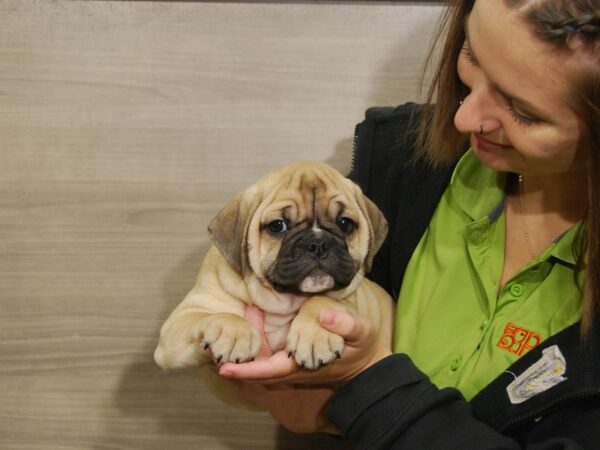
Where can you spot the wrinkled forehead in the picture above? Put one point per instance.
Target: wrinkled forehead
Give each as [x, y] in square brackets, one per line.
[306, 195]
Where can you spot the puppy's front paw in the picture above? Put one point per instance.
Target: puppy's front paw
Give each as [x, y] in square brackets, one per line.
[230, 338]
[311, 345]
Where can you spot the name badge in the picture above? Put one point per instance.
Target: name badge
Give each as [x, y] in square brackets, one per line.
[541, 376]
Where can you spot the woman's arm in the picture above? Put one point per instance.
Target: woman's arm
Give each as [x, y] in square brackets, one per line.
[385, 402]
[394, 405]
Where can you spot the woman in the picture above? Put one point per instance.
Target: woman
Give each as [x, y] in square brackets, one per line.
[496, 249]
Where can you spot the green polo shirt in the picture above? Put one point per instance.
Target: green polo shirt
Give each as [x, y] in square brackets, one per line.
[451, 318]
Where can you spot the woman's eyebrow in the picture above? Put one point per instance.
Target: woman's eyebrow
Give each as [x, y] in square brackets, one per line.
[521, 103]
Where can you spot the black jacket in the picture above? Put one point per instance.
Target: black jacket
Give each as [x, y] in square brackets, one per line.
[393, 404]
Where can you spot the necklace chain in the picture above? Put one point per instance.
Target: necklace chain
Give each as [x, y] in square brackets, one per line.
[525, 228]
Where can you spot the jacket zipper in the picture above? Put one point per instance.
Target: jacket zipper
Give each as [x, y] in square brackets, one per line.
[539, 413]
[352, 175]
[353, 161]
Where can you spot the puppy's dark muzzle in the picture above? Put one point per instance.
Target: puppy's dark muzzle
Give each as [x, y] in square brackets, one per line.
[311, 252]
[318, 247]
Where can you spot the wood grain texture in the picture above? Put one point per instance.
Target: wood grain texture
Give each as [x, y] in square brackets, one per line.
[124, 127]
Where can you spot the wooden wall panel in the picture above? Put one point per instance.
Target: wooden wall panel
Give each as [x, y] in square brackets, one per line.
[124, 127]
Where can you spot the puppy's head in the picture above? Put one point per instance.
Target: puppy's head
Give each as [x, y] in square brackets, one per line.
[303, 229]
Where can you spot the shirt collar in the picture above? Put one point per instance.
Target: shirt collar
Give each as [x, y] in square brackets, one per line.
[562, 247]
[478, 190]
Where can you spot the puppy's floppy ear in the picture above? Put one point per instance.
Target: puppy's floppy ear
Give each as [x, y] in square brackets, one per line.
[229, 228]
[378, 226]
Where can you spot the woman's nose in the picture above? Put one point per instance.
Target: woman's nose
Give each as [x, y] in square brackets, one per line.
[477, 113]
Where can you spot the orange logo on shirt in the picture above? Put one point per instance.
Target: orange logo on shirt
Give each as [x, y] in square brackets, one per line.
[518, 340]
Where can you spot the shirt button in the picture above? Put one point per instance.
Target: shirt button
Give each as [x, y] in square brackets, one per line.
[455, 363]
[516, 289]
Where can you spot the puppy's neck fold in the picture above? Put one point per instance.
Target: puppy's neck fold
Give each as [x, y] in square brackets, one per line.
[271, 301]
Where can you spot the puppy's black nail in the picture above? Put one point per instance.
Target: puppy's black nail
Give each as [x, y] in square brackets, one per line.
[219, 358]
[251, 359]
[237, 360]
[290, 354]
[321, 363]
[206, 346]
[303, 364]
[338, 355]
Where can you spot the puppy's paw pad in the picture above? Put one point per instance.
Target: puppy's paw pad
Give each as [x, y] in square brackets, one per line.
[231, 339]
[312, 346]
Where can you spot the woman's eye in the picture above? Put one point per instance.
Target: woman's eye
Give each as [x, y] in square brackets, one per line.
[346, 225]
[521, 119]
[277, 226]
[466, 50]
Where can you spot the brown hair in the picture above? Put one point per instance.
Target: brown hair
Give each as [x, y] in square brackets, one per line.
[558, 23]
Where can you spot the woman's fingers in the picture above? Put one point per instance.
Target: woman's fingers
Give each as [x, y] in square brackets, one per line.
[256, 318]
[277, 366]
[362, 348]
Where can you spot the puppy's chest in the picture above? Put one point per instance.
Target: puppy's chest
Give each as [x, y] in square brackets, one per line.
[276, 329]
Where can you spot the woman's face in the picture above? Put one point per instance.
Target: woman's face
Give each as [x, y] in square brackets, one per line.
[517, 90]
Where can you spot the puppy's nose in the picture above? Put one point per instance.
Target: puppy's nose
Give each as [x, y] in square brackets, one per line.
[318, 247]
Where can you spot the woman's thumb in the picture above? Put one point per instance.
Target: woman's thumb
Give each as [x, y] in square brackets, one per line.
[351, 328]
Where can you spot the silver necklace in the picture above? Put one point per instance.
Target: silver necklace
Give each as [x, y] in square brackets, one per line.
[525, 228]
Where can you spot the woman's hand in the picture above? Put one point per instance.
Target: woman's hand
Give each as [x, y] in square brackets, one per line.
[296, 397]
[299, 408]
[362, 349]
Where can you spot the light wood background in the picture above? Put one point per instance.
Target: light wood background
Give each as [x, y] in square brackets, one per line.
[124, 127]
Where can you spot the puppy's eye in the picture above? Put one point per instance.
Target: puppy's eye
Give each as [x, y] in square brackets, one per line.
[346, 225]
[277, 226]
